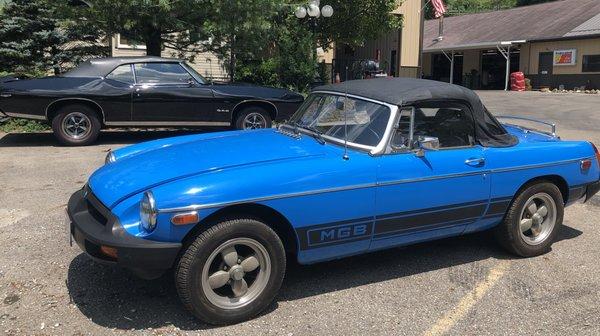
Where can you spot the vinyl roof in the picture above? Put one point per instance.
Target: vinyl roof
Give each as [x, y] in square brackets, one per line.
[547, 21]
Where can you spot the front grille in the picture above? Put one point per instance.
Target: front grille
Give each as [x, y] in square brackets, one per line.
[95, 208]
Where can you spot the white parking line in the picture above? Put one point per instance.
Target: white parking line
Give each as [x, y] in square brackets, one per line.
[444, 324]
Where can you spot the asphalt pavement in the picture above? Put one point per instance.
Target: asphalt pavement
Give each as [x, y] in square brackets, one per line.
[459, 286]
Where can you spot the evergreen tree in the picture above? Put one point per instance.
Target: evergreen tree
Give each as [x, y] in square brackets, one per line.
[37, 36]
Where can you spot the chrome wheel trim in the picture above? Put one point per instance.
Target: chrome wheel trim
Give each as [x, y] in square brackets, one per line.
[537, 219]
[254, 120]
[236, 273]
[76, 125]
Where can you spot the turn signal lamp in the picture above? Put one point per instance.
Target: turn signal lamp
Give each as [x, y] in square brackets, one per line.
[185, 218]
[109, 251]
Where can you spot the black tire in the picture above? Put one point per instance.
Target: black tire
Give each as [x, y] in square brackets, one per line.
[89, 117]
[508, 233]
[253, 110]
[189, 270]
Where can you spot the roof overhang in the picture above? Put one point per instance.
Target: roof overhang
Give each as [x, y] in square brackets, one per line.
[481, 45]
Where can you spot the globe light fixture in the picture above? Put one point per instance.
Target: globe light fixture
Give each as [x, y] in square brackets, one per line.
[327, 11]
[300, 12]
[313, 10]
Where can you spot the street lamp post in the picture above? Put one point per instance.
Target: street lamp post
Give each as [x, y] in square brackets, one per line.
[313, 11]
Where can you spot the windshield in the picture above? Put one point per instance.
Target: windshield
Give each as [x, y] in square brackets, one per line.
[364, 123]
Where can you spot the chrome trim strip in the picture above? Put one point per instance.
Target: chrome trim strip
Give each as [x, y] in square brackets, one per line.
[254, 101]
[353, 187]
[539, 165]
[24, 115]
[74, 98]
[167, 123]
[265, 198]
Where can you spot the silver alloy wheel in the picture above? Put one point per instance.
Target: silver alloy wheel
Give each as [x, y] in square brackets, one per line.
[76, 125]
[254, 120]
[538, 218]
[236, 273]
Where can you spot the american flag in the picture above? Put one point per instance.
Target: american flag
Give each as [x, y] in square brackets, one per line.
[438, 8]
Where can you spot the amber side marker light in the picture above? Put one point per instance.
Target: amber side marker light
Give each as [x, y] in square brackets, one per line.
[109, 251]
[185, 218]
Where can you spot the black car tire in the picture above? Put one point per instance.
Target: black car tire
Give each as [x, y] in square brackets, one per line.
[204, 252]
[256, 111]
[509, 232]
[87, 118]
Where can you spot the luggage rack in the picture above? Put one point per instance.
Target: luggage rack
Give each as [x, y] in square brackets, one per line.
[527, 129]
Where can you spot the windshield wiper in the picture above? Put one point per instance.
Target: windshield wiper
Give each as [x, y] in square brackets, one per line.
[318, 134]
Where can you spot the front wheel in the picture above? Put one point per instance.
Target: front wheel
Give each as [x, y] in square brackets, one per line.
[231, 272]
[533, 220]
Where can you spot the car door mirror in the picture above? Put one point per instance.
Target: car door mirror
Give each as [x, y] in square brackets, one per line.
[191, 82]
[426, 143]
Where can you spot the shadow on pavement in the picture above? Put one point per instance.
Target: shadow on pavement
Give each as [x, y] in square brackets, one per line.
[106, 137]
[113, 298]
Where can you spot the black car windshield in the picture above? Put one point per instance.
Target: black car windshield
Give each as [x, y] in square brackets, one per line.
[335, 117]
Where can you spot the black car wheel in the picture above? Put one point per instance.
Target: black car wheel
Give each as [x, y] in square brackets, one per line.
[231, 272]
[253, 117]
[533, 220]
[76, 125]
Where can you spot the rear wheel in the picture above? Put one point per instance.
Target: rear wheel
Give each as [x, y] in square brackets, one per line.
[253, 117]
[231, 272]
[76, 125]
[533, 220]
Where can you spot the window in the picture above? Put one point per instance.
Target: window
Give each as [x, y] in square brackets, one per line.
[452, 124]
[126, 41]
[123, 74]
[361, 122]
[161, 73]
[591, 63]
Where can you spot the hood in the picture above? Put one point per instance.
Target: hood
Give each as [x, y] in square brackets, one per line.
[246, 91]
[201, 154]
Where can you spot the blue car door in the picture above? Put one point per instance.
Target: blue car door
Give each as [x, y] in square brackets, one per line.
[434, 193]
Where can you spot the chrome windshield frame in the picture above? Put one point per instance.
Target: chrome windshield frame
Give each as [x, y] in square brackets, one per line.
[382, 145]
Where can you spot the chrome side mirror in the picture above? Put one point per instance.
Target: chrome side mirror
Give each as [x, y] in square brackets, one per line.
[191, 82]
[426, 143]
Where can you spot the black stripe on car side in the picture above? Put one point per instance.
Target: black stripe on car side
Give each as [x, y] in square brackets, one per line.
[390, 224]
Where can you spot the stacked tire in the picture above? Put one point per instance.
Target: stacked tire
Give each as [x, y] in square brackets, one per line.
[517, 81]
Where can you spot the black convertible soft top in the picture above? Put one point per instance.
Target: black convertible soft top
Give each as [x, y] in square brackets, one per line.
[402, 91]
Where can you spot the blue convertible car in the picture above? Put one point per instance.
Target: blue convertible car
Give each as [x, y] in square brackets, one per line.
[362, 166]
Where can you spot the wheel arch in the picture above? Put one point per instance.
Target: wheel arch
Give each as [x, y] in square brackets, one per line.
[55, 106]
[557, 180]
[267, 105]
[271, 217]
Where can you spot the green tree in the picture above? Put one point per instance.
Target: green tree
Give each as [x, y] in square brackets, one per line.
[178, 24]
[355, 21]
[36, 36]
[241, 29]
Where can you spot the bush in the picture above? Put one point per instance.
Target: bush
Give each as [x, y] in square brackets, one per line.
[23, 126]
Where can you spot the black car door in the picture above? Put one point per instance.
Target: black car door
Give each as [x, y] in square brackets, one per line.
[166, 94]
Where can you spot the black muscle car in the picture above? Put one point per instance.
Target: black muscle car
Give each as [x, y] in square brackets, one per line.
[140, 92]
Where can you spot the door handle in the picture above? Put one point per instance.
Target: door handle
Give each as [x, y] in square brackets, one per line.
[475, 162]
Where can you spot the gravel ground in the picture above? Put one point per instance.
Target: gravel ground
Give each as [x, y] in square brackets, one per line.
[457, 286]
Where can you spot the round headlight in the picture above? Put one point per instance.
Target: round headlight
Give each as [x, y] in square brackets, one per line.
[148, 212]
[110, 158]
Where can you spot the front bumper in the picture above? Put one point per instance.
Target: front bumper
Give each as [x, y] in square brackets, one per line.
[92, 226]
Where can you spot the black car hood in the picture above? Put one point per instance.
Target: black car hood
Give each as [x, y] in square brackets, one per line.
[248, 90]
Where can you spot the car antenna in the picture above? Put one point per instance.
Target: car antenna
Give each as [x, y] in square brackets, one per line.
[345, 157]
